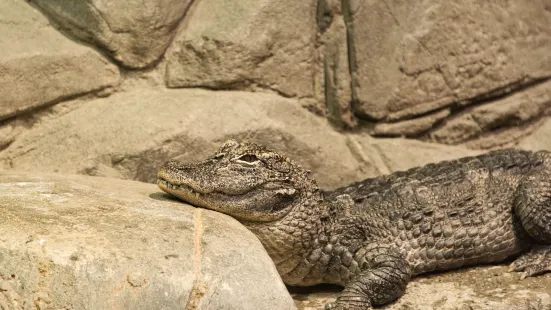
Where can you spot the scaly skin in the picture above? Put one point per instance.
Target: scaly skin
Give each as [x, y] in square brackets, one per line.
[372, 236]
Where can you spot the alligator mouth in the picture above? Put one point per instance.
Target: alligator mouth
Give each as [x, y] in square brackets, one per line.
[165, 184]
[183, 192]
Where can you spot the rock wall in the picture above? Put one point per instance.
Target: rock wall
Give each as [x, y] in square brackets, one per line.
[459, 73]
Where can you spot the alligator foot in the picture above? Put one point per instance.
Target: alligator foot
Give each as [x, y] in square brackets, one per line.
[533, 263]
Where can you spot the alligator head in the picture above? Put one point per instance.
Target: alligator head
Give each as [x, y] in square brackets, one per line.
[244, 180]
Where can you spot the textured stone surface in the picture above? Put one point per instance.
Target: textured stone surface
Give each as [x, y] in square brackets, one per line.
[519, 108]
[9, 131]
[39, 66]
[414, 58]
[336, 69]
[540, 139]
[136, 33]
[411, 127]
[76, 242]
[130, 135]
[480, 288]
[246, 45]
[391, 155]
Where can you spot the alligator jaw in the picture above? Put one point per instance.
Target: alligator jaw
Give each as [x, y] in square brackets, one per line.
[183, 192]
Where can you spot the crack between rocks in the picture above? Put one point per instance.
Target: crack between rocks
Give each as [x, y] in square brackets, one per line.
[421, 115]
[495, 95]
[233, 87]
[439, 70]
[457, 109]
[351, 52]
[383, 158]
[102, 16]
[6, 144]
[529, 125]
[498, 94]
[64, 27]
[13, 23]
[52, 103]
[199, 289]
[376, 160]
[177, 24]
[421, 133]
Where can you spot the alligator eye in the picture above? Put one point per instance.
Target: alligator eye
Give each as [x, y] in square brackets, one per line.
[249, 158]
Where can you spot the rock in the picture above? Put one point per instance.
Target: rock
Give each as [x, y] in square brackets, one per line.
[9, 131]
[391, 155]
[130, 135]
[478, 288]
[336, 74]
[97, 243]
[511, 111]
[39, 66]
[414, 59]
[540, 139]
[411, 127]
[253, 44]
[136, 33]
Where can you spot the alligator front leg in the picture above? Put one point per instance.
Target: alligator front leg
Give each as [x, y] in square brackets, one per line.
[533, 207]
[384, 277]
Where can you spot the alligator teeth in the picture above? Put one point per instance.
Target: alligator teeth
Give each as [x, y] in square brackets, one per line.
[178, 187]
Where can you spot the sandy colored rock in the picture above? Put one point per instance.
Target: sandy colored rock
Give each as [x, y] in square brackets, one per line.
[540, 139]
[130, 135]
[246, 45]
[77, 242]
[411, 127]
[391, 155]
[504, 137]
[516, 109]
[412, 59]
[337, 95]
[478, 288]
[136, 33]
[40, 66]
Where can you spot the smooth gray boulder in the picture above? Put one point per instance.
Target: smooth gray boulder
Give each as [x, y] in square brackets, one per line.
[80, 242]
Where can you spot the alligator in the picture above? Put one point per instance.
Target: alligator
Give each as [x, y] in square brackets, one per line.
[372, 236]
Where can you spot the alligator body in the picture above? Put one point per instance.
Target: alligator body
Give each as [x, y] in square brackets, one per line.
[372, 236]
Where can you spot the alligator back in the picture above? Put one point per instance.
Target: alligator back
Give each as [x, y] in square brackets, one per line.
[443, 215]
